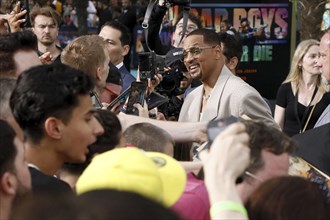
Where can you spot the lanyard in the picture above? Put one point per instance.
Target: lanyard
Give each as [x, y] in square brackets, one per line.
[301, 127]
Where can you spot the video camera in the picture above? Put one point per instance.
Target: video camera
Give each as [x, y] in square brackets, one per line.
[150, 63]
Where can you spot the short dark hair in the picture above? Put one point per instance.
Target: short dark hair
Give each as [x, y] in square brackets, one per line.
[44, 91]
[244, 20]
[232, 46]
[45, 11]
[125, 37]
[210, 36]
[10, 43]
[112, 132]
[148, 137]
[226, 22]
[194, 18]
[8, 150]
[263, 137]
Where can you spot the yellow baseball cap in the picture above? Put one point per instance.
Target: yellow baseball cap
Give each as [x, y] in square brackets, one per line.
[150, 174]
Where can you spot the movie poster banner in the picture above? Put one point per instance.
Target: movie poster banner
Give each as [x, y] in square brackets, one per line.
[265, 60]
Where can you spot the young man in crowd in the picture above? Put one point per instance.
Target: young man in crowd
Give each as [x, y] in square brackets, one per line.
[15, 179]
[149, 138]
[52, 105]
[118, 39]
[45, 25]
[87, 53]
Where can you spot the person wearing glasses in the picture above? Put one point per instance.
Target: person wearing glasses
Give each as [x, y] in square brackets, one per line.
[221, 94]
[155, 23]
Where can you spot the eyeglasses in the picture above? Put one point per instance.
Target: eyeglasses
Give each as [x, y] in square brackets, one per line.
[195, 51]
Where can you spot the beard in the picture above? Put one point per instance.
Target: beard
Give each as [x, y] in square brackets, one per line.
[48, 42]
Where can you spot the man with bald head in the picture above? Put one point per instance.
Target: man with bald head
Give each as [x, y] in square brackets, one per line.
[324, 63]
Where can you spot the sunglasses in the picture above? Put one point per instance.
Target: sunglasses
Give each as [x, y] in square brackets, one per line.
[195, 51]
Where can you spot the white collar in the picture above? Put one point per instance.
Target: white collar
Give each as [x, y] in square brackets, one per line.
[120, 65]
[33, 166]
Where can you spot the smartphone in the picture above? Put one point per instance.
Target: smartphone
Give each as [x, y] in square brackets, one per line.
[25, 6]
[121, 99]
[137, 95]
[214, 128]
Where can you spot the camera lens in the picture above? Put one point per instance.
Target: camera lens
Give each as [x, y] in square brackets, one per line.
[168, 83]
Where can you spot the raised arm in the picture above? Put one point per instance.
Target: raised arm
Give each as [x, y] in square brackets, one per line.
[226, 160]
[180, 131]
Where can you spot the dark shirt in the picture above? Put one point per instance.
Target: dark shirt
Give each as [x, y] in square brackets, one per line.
[128, 18]
[104, 16]
[155, 21]
[58, 58]
[286, 99]
[315, 147]
[44, 184]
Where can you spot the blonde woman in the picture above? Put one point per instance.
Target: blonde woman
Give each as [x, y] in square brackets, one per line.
[302, 97]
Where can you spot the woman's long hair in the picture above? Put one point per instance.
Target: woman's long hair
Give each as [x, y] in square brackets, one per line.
[295, 74]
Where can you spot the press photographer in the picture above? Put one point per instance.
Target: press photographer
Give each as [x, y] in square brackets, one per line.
[175, 80]
[155, 23]
[175, 77]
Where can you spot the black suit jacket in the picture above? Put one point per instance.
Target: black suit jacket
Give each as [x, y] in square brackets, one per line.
[44, 184]
[315, 147]
[126, 77]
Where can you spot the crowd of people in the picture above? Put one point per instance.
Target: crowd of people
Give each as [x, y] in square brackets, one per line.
[68, 152]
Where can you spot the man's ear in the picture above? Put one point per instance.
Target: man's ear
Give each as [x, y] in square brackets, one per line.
[8, 184]
[125, 50]
[232, 64]
[98, 74]
[54, 127]
[218, 52]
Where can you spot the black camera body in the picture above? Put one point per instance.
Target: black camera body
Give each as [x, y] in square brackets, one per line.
[150, 63]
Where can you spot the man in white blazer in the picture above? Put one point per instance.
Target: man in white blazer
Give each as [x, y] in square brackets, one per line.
[222, 94]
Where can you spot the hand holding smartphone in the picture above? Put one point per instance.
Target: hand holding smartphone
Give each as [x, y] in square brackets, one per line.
[121, 99]
[214, 128]
[137, 95]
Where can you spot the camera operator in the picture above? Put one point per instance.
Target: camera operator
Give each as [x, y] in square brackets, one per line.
[176, 80]
[155, 22]
[180, 79]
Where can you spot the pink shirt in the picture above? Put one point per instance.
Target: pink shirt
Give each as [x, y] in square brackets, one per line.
[194, 202]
